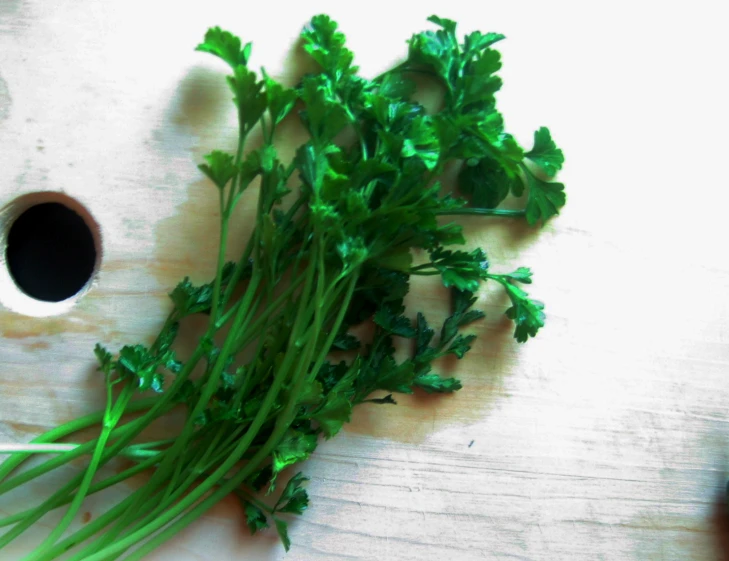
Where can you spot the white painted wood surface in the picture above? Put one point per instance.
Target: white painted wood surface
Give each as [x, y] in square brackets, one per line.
[606, 438]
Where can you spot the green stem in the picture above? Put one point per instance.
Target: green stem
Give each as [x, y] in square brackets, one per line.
[262, 414]
[67, 429]
[483, 212]
[131, 452]
[92, 528]
[105, 484]
[221, 262]
[168, 464]
[114, 414]
[126, 433]
[159, 504]
[255, 328]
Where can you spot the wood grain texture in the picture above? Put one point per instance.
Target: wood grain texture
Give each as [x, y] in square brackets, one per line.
[606, 438]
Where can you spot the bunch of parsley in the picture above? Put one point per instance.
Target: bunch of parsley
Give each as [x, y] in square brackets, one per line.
[335, 234]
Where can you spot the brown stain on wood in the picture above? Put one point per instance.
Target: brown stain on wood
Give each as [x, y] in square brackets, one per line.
[38, 346]
[187, 242]
[22, 327]
[24, 427]
[719, 522]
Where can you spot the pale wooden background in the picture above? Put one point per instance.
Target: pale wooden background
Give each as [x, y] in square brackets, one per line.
[605, 438]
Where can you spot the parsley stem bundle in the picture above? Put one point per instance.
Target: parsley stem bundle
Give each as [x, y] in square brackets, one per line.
[336, 232]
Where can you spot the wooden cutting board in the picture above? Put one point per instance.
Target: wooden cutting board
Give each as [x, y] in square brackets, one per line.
[605, 438]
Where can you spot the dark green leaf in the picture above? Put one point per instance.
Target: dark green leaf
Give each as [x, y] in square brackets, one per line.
[167, 337]
[424, 335]
[433, 383]
[346, 342]
[469, 317]
[393, 323]
[282, 529]
[459, 269]
[261, 478]
[462, 302]
[294, 498]
[330, 375]
[393, 377]
[461, 345]
[255, 518]
[190, 299]
[332, 415]
[485, 182]
[312, 394]
[449, 328]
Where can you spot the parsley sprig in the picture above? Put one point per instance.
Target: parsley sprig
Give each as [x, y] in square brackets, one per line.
[333, 252]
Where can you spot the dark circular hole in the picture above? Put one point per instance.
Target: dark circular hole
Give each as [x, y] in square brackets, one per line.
[50, 252]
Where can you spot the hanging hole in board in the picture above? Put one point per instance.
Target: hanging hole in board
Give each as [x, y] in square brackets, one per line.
[51, 250]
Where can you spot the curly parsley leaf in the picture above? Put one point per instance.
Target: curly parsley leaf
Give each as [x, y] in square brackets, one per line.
[261, 478]
[346, 342]
[460, 269]
[545, 198]
[433, 383]
[225, 46]
[280, 100]
[326, 45]
[522, 275]
[545, 153]
[294, 447]
[486, 183]
[422, 142]
[220, 168]
[460, 345]
[190, 299]
[527, 314]
[294, 499]
[104, 357]
[332, 415]
[248, 96]
[255, 518]
[393, 323]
